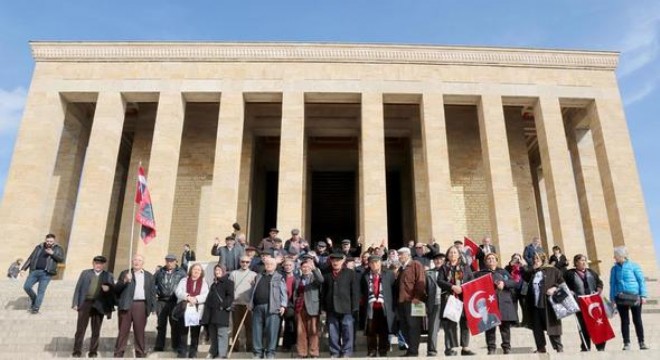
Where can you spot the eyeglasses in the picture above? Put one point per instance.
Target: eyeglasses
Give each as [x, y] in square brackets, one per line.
[245, 262]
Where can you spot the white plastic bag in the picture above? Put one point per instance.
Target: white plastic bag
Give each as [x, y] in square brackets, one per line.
[453, 309]
[191, 316]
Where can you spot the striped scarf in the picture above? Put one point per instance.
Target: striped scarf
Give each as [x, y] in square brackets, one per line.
[371, 297]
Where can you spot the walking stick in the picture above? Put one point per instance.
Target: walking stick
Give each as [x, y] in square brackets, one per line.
[577, 323]
[240, 327]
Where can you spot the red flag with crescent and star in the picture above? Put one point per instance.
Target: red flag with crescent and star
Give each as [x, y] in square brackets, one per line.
[482, 310]
[145, 214]
[473, 249]
[595, 318]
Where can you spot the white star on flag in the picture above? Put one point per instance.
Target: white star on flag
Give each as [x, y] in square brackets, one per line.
[491, 298]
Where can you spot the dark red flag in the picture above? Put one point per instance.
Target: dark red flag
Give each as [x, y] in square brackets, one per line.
[145, 214]
[595, 318]
[472, 249]
[480, 304]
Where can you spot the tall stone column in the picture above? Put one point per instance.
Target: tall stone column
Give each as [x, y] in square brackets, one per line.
[91, 216]
[592, 201]
[565, 218]
[245, 189]
[22, 219]
[162, 173]
[373, 192]
[420, 185]
[290, 192]
[504, 208]
[623, 194]
[226, 171]
[436, 154]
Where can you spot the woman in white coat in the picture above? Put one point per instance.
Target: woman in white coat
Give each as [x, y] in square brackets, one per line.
[192, 290]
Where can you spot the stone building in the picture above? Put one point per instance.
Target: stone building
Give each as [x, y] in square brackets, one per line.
[390, 142]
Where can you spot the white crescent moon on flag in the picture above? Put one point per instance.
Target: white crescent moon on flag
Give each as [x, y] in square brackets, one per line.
[591, 307]
[474, 311]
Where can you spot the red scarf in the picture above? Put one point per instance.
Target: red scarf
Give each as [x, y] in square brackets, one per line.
[194, 291]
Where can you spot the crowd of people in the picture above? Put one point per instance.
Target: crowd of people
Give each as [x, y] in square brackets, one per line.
[281, 289]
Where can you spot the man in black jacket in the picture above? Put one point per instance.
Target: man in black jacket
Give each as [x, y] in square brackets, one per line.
[340, 295]
[92, 298]
[43, 265]
[136, 294]
[167, 279]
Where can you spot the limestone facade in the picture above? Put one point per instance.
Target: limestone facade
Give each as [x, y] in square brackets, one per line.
[409, 142]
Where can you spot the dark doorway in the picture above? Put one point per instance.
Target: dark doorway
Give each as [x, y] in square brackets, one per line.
[333, 205]
[394, 209]
[270, 205]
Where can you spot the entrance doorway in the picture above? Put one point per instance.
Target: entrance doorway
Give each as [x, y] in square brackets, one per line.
[334, 205]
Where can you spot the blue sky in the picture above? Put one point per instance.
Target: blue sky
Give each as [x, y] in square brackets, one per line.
[631, 27]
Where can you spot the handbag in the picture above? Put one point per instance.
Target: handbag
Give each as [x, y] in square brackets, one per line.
[179, 311]
[453, 309]
[560, 295]
[624, 299]
[568, 306]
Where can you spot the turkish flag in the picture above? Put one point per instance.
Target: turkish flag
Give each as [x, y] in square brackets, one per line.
[595, 318]
[473, 250]
[145, 214]
[480, 302]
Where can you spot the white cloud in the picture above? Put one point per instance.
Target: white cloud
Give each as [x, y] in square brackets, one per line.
[639, 93]
[640, 45]
[11, 109]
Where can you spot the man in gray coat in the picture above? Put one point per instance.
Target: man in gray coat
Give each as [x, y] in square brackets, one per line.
[268, 303]
[92, 299]
[306, 302]
[230, 254]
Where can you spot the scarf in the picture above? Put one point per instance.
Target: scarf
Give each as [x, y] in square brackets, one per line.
[371, 297]
[194, 287]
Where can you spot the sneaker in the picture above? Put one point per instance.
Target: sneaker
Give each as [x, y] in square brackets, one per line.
[643, 346]
[626, 347]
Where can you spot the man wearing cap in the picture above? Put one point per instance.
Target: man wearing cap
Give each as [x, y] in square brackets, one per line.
[421, 255]
[348, 251]
[267, 242]
[277, 249]
[229, 255]
[411, 283]
[340, 298]
[433, 303]
[321, 256]
[296, 245]
[92, 298]
[377, 293]
[136, 299]
[167, 279]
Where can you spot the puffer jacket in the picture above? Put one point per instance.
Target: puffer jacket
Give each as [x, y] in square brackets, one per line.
[627, 278]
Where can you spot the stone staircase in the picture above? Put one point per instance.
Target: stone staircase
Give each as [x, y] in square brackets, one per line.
[49, 334]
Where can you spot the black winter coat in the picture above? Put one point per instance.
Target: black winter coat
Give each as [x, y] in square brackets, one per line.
[217, 308]
[340, 295]
[505, 297]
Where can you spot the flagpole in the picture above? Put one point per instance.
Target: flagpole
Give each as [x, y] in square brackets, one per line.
[130, 251]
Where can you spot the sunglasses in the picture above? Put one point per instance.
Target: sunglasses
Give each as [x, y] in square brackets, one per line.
[245, 262]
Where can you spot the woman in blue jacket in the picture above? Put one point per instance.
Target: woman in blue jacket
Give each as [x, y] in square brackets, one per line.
[626, 279]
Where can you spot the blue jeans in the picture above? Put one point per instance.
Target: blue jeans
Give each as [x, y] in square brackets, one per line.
[264, 324]
[41, 277]
[340, 326]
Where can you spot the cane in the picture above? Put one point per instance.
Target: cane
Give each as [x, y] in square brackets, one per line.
[577, 323]
[240, 327]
